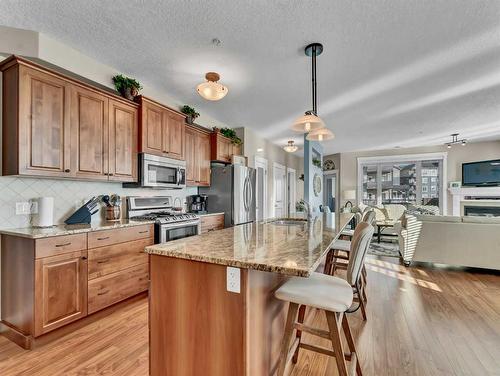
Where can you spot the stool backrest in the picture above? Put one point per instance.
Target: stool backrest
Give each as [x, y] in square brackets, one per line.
[358, 217]
[369, 217]
[359, 247]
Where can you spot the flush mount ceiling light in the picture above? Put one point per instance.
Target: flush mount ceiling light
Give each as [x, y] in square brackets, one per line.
[311, 122]
[291, 147]
[455, 140]
[212, 90]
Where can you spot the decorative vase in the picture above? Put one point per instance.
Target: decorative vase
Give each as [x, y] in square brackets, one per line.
[129, 93]
[189, 119]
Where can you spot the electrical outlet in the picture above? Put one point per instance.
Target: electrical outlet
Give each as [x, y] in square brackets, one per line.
[23, 208]
[233, 277]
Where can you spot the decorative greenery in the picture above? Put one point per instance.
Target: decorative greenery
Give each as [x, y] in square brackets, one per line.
[188, 110]
[122, 83]
[300, 206]
[230, 133]
[316, 162]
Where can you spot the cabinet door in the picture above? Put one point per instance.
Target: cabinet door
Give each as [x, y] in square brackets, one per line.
[151, 132]
[173, 136]
[89, 133]
[236, 149]
[122, 142]
[44, 124]
[203, 153]
[191, 157]
[60, 290]
[224, 148]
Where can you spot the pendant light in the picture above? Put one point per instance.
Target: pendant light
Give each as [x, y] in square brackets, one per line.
[212, 90]
[311, 123]
[291, 147]
[455, 140]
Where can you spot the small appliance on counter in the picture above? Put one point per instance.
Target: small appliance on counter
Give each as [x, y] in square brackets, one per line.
[170, 224]
[84, 214]
[45, 216]
[197, 204]
[113, 207]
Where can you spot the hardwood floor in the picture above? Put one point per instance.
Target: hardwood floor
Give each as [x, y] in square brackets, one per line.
[421, 321]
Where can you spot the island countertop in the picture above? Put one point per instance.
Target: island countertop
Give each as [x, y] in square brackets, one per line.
[266, 246]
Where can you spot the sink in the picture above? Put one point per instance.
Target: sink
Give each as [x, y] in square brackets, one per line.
[289, 222]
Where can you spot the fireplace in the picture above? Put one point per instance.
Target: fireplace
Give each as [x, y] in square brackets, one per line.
[482, 211]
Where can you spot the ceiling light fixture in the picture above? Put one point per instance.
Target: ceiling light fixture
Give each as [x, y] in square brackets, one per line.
[310, 122]
[291, 147]
[455, 140]
[212, 90]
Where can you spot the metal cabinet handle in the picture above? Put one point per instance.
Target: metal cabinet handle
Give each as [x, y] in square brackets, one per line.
[103, 293]
[84, 257]
[110, 174]
[63, 245]
[143, 232]
[67, 170]
[106, 237]
[102, 261]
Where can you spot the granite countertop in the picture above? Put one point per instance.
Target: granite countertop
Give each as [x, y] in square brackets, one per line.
[37, 233]
[266, 246]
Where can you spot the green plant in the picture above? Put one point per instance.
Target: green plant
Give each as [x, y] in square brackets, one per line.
[230, 133]
[316, 162]
[189, 111]
[122, 83]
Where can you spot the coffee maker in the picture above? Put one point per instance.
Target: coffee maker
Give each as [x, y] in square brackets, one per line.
[197, 204]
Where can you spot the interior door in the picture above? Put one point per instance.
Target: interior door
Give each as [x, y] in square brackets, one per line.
[279, 174]
[89, 133]
[122, 142]
[44, 124]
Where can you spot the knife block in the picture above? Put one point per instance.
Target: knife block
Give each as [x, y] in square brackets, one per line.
[81, 216]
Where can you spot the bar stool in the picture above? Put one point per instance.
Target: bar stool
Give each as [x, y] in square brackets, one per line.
[334, 296]
[348, 233]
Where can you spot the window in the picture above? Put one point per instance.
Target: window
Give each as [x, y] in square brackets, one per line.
[406, 180]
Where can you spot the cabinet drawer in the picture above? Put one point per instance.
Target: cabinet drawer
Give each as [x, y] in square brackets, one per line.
[57, 245]
[212, 223]
[112, 288]
[119, 235]
[113, 258]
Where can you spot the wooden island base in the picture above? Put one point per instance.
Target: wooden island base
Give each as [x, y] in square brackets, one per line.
[197, 327]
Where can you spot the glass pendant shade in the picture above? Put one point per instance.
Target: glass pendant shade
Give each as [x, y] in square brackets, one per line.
[320, 134]
[212, 90]
[307, 123]
[290, 148]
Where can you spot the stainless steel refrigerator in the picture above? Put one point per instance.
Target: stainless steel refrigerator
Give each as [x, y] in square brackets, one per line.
[232, 191]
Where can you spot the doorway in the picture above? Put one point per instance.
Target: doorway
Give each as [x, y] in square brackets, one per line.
[291, 190]
[330, 192]
[261, 188]
[279, 196]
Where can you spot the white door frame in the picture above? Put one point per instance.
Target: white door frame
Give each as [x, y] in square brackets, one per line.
[282, 167]
[337, 188]
[290, 207]
[262, 163]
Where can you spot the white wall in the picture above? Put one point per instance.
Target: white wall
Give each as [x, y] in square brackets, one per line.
[273, 153]
[474, 151]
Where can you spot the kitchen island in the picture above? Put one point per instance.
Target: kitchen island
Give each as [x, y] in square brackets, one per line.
[197, 326]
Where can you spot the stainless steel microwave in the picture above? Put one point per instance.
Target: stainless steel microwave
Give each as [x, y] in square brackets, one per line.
[160, 172]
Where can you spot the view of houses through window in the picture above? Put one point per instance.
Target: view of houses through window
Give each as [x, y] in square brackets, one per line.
[407, 183]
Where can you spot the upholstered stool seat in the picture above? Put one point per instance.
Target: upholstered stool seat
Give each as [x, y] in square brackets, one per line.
[347, 232]
[341, 245]
[319, 291]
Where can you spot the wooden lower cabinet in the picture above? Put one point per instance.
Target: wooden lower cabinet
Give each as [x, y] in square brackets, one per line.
[50, 282]
[60, 290]
[212, 222]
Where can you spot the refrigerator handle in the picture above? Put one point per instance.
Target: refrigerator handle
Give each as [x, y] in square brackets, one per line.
[245, 193]
[250, 194]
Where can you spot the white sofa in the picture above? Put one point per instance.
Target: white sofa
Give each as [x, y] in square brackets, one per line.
[462, 241]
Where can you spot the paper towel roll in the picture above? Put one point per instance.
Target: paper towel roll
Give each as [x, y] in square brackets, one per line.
[45, 217]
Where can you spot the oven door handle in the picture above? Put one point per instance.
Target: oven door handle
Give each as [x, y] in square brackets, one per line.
[181, 224]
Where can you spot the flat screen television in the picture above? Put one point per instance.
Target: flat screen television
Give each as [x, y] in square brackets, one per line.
[481, 174]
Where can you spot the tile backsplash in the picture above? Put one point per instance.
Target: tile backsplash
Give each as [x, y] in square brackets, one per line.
[68, 195]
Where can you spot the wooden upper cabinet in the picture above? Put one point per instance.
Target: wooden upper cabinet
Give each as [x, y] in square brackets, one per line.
[43, 144]
[222, 148]
[57, 125]
[122, 141]
[197, 157]
[89, 130]
[161, 130]
[60, 290]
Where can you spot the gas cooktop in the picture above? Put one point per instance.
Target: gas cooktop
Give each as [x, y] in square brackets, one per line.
[165, 217]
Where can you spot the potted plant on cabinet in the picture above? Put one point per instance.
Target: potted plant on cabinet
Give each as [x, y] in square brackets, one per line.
[190, 112]
[229, 133]
[126, 86]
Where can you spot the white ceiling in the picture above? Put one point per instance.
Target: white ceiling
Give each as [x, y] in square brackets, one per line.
[393, 73]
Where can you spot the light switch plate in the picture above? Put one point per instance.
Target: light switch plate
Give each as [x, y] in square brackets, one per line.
[233, 279]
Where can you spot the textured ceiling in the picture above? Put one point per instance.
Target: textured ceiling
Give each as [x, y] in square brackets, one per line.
[393, 73]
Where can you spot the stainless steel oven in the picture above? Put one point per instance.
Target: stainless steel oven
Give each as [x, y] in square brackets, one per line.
[161, 172]
[173, 231]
